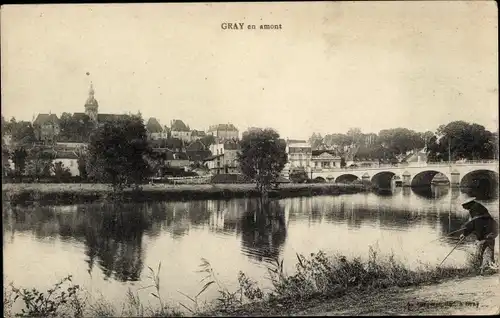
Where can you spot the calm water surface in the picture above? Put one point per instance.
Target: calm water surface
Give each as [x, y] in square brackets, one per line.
[108, 248]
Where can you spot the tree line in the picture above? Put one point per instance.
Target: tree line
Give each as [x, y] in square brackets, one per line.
[119, 152]
[455, 141]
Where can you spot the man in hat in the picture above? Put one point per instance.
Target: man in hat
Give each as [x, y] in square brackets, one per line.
[483, 226]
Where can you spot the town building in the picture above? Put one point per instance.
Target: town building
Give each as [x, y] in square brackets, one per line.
[179, 130]
[224, 157]
[92, 110]
[155, 130]
[223, 132]
[46, 127]
[197, 151]
[176, 160]
[299, 156]
[197, 134]
[324, 159]
[214, 164]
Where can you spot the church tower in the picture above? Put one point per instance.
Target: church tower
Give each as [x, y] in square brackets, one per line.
[91, 105]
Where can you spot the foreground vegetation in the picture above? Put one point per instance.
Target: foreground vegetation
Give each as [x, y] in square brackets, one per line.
[53, 193]
[316, 278]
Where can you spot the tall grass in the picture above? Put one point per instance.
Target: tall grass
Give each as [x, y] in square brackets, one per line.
[315, 276]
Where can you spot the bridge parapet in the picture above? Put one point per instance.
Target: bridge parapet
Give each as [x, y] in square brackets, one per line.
[409, 165]
[414, 172]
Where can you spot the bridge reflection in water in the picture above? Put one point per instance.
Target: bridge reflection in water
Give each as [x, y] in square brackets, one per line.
[111, 245]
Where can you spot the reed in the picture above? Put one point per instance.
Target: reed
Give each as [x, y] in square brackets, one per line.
[316, 277]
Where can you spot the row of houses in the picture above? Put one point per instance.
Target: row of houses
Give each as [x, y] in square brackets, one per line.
[48, 126]
[179, 130]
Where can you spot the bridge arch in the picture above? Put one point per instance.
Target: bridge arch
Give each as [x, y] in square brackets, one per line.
[383, 179]
[319, 179]
[346, 178]
[480, 183]
[424, 178]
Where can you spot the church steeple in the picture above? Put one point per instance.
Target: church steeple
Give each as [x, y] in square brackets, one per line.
[91, 90]
[91, 105]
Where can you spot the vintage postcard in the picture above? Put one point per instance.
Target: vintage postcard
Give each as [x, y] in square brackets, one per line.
[250, 159]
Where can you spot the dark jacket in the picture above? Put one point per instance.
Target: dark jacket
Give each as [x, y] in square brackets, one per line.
[484, 226]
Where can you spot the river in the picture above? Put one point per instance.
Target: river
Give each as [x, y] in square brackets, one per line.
[108, 248]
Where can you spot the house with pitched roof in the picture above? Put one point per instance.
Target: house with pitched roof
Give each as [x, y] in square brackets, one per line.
[197, 151]
[197, 134]
[178, 129]
[223, 132]
[226, 153]
[46, 127]
[154, 129]
[299, 156]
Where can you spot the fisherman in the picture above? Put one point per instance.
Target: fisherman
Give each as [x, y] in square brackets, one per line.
[483, 226]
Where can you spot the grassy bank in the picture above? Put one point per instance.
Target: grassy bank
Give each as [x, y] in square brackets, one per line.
[316, 279]
[50, 193]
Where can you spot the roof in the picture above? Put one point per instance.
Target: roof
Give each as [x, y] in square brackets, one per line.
[219, 127]
[196, 146]
[199, 155]
[213, 157]
[296, 141]
[180, 155]
[231, 145]
[319, 152]
[111, 117]
[153, 126]
[43, 119]
[198, 133]
[81, 117]
[178, 125]
[66, 155]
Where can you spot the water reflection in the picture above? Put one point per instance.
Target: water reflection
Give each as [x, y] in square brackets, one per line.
[432, 192]
[114, 240]
[263, 231]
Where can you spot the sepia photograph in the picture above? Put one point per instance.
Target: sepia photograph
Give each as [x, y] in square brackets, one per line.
[250, 159]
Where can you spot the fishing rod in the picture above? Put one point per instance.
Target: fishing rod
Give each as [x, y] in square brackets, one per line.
[447, 235]
[451, 251]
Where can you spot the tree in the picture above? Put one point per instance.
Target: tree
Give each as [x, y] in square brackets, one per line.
[82, 166]
[337, 140]
[117, 153]
[356, 135]
[66, 126]
[342, 162]
[315, 141]
[40, 164]
[262, 157]
[462, 140]
[298, 175]
[4, 126]
[398, 141]
[19, 159]
[60, 171]
[23, 133]
[5, 159]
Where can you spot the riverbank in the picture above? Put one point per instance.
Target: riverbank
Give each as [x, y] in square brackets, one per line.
[53, 193]
[321, 285]
[378, 287]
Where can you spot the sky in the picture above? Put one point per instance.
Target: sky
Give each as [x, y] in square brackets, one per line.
[332, 66]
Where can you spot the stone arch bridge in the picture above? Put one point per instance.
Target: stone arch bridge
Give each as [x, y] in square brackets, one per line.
[414, 174]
